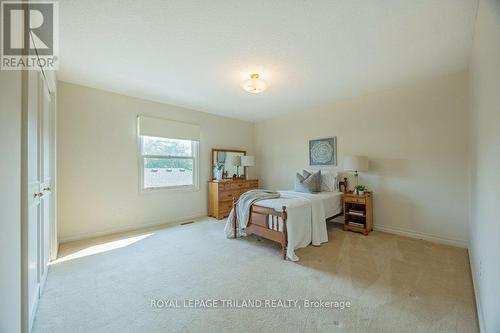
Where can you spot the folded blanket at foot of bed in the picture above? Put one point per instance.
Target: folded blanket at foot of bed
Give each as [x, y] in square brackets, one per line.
[242, 212]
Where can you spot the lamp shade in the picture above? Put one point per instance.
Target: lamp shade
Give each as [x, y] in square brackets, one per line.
[236, 160]
[356, 163]
[247, 160]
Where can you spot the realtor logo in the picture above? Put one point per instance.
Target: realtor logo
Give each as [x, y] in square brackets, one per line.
[29, 35]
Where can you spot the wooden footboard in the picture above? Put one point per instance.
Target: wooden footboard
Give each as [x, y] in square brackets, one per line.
[265, 222]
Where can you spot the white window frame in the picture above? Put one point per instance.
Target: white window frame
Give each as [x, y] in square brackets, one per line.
[185, 188]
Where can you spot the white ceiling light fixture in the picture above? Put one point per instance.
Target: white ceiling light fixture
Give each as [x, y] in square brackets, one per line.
[255, 84]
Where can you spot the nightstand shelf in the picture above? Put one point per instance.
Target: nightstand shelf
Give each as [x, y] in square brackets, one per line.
[358, 212]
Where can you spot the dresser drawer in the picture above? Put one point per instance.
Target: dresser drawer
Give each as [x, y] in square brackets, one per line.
[249, 186]
[240, 192]
[228, 195]
[351, 199]
[238, 185]
[224, 186]
[225, 207]
[221, 195]
[253, 184]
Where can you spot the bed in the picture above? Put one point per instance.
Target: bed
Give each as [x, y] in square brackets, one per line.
[294, 220]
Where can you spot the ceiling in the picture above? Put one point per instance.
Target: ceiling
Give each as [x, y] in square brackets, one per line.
[196, 53]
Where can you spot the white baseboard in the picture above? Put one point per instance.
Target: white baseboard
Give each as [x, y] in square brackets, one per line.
[115, 230]
[420, 235]
[475, 280]
[424, 236]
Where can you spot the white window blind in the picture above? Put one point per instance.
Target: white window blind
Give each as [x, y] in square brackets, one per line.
[163, 128]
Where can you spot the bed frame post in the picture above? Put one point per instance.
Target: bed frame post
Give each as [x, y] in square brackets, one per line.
[284, 241]
[235, 230]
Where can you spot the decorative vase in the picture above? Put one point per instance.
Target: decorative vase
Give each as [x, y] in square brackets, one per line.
[361, 192]
[218, 174]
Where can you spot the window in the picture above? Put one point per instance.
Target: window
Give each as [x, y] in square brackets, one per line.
[168, 153]
[168, 163]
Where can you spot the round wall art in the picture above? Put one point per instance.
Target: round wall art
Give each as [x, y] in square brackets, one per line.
[323, 151]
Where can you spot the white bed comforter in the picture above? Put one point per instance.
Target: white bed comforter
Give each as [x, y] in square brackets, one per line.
[306, 222]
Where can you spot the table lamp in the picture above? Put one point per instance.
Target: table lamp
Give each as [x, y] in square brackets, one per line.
[247, 161]
[356, 164]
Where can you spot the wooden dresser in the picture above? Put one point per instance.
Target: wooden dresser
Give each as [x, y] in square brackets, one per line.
[221, 194]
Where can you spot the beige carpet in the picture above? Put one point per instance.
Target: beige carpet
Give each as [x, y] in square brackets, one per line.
[394, 284]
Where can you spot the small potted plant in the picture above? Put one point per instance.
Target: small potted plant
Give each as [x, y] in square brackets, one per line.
[360, 189]
[219, 170]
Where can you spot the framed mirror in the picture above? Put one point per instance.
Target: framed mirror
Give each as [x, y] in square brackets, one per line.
[226, 164]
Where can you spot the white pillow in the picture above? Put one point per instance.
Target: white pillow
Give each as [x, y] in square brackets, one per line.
[308, 182]
[329, 181]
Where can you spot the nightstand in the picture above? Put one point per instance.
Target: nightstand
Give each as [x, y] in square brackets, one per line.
[358, 212]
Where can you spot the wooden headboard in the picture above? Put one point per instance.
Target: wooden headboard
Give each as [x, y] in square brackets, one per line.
[344, 184]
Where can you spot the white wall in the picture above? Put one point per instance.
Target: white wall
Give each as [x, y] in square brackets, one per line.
[485, 157]
[10, 201]
[415, 137]
[98, 162]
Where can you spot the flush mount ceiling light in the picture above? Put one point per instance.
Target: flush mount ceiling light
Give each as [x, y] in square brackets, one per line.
[255, 84]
